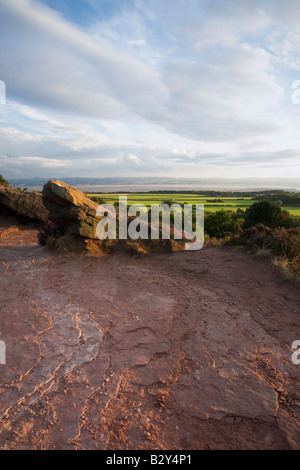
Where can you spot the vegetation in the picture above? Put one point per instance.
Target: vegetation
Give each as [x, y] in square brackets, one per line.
[99, 200]
[50, 231]
[282, 244]
[284, 198]
[222, 223]
[266, 223]
[3, 182]
[268, 213]
[231, 201]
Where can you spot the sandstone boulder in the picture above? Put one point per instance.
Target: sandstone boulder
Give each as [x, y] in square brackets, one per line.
[25, 204]
[72, 208]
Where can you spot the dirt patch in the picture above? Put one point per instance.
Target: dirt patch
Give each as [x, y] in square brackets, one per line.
[188, 350]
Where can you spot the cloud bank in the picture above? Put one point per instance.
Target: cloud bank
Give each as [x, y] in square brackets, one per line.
[155, 88]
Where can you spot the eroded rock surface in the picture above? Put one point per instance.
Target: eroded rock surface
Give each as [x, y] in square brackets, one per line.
[78, 214]
[71, 207]
[25, 204]
[188, 350]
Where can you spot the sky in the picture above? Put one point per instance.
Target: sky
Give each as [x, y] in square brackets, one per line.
[182, 88]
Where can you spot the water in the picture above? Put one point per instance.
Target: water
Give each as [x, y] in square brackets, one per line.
[106, 185]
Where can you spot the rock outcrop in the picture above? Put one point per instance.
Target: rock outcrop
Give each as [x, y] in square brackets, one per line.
[77, 213]
[24, 204]
[72, 208]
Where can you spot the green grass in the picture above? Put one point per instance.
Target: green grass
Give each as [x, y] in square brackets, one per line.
[230, 204]
[294, 210]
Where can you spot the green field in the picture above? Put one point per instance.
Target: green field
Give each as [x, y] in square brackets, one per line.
[230, 204]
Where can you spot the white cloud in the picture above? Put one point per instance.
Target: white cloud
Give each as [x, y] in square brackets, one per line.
[134, 159]
[45, 162]
[66, 69]
[161, 88]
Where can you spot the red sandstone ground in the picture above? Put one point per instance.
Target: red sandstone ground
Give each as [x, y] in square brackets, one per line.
[188, 350]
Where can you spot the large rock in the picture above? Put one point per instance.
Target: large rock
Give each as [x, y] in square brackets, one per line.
[25, 204]
[72, 208]
[77, 213]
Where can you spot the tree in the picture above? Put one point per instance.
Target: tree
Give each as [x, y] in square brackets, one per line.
[265, 212]
[219, 224]
[3, 182]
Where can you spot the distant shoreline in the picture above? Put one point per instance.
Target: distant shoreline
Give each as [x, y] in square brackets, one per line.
[135, 185]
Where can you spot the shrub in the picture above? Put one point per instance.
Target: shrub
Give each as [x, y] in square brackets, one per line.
[285, 242]
[281, 243]
[255, 237]
[3, 182]
[267, 213]
[219, 224]
[289, 269]
[99, 200]
[49, 231]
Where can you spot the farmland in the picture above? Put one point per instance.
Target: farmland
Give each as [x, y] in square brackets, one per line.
[211, 203]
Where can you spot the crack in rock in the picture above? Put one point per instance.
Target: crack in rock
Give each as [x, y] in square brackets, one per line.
[72, 340]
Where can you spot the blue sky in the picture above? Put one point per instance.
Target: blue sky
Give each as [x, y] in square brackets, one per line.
[199, 88]
[83, 12]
